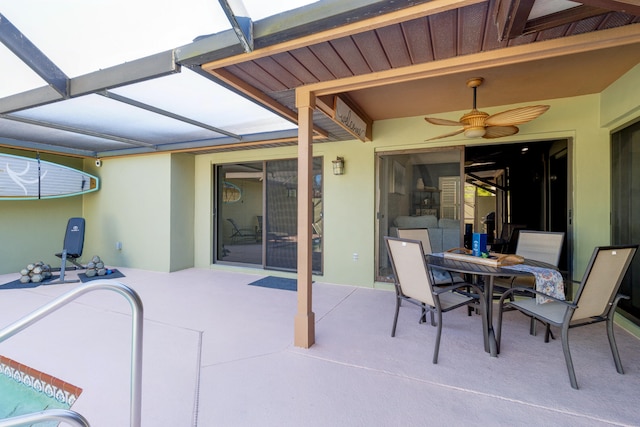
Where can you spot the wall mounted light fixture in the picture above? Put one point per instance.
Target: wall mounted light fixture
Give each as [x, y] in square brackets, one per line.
[338, 166]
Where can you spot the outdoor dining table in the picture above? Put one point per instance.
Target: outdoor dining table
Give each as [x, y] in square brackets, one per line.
[488, 273]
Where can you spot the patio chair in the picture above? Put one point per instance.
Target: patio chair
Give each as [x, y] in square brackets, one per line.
[413, 281]
[508, 239]
[238, 233]
[422, 234]
[595, 301]
[544, 246]
[259, 229]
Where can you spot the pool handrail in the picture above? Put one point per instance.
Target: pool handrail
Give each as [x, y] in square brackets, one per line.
[62, 415]
[136, 332]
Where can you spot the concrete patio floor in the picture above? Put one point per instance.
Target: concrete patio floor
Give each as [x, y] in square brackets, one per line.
[220, 353]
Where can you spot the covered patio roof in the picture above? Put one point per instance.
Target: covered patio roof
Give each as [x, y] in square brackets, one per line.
[232, 85]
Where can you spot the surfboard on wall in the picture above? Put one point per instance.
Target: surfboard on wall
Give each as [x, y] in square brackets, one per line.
[24, 178]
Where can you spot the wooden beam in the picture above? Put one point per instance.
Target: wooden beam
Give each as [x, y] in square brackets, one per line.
[511, 17]
[632, 7]
[304, 322]
[378, 21]
[620, 36]
[564, 17]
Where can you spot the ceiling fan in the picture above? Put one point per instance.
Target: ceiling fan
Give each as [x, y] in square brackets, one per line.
[476, 124]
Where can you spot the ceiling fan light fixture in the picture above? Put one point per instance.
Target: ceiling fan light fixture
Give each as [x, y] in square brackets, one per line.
[478, 124]
[475, 132]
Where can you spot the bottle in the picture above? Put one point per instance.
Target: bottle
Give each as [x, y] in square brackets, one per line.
[468, 233]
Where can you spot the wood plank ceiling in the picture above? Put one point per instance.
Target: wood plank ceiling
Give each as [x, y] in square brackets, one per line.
[481, 27]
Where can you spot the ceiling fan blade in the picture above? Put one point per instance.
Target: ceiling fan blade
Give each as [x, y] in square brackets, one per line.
[442, 122]
[517, 116]
[500, 131]
[446, 135]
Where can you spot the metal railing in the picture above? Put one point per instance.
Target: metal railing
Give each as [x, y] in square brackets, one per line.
[62, 415]
[136, 337]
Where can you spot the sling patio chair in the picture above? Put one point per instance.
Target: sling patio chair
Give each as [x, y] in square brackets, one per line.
[544, 246]
[413, 283]
[238, 233]
[422, 234]
[595, 301]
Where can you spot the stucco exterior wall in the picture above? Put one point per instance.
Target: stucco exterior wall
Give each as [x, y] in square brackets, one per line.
[132, 207]
[348, 209]
[575, 119]
[182, 211]
[350, 198]
[160, 206]
[33, 230]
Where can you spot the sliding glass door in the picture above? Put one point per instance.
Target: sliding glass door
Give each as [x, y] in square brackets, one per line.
[625, 209]
[240, 213]
[257, 214]
[419, 190]
[281, 214]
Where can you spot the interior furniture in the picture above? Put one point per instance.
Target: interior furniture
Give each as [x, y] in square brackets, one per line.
[595, 301]
[444, 233]
[414, 284]
[425, 202]
[487, 274]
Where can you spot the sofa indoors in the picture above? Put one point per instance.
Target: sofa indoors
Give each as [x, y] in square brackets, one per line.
[444, 233]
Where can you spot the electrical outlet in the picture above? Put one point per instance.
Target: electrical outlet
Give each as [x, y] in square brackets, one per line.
[118, 246]
[355, 256]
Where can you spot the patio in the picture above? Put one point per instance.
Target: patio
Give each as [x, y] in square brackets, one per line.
[220, 353]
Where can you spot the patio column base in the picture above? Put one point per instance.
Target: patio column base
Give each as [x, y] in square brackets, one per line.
[304, 333]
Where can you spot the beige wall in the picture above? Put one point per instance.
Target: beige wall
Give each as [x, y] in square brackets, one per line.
[350, 199]
[575, 119]
[146, 203]
[182, 211]
[132, 207]
[160, 206]
[33, 230]
[348, 210]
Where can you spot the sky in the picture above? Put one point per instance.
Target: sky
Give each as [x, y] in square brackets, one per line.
[81, 36]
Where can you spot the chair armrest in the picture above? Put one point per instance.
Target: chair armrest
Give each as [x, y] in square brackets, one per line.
[478, 292]
[619, 297]
[440, 290]
[507, 293]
